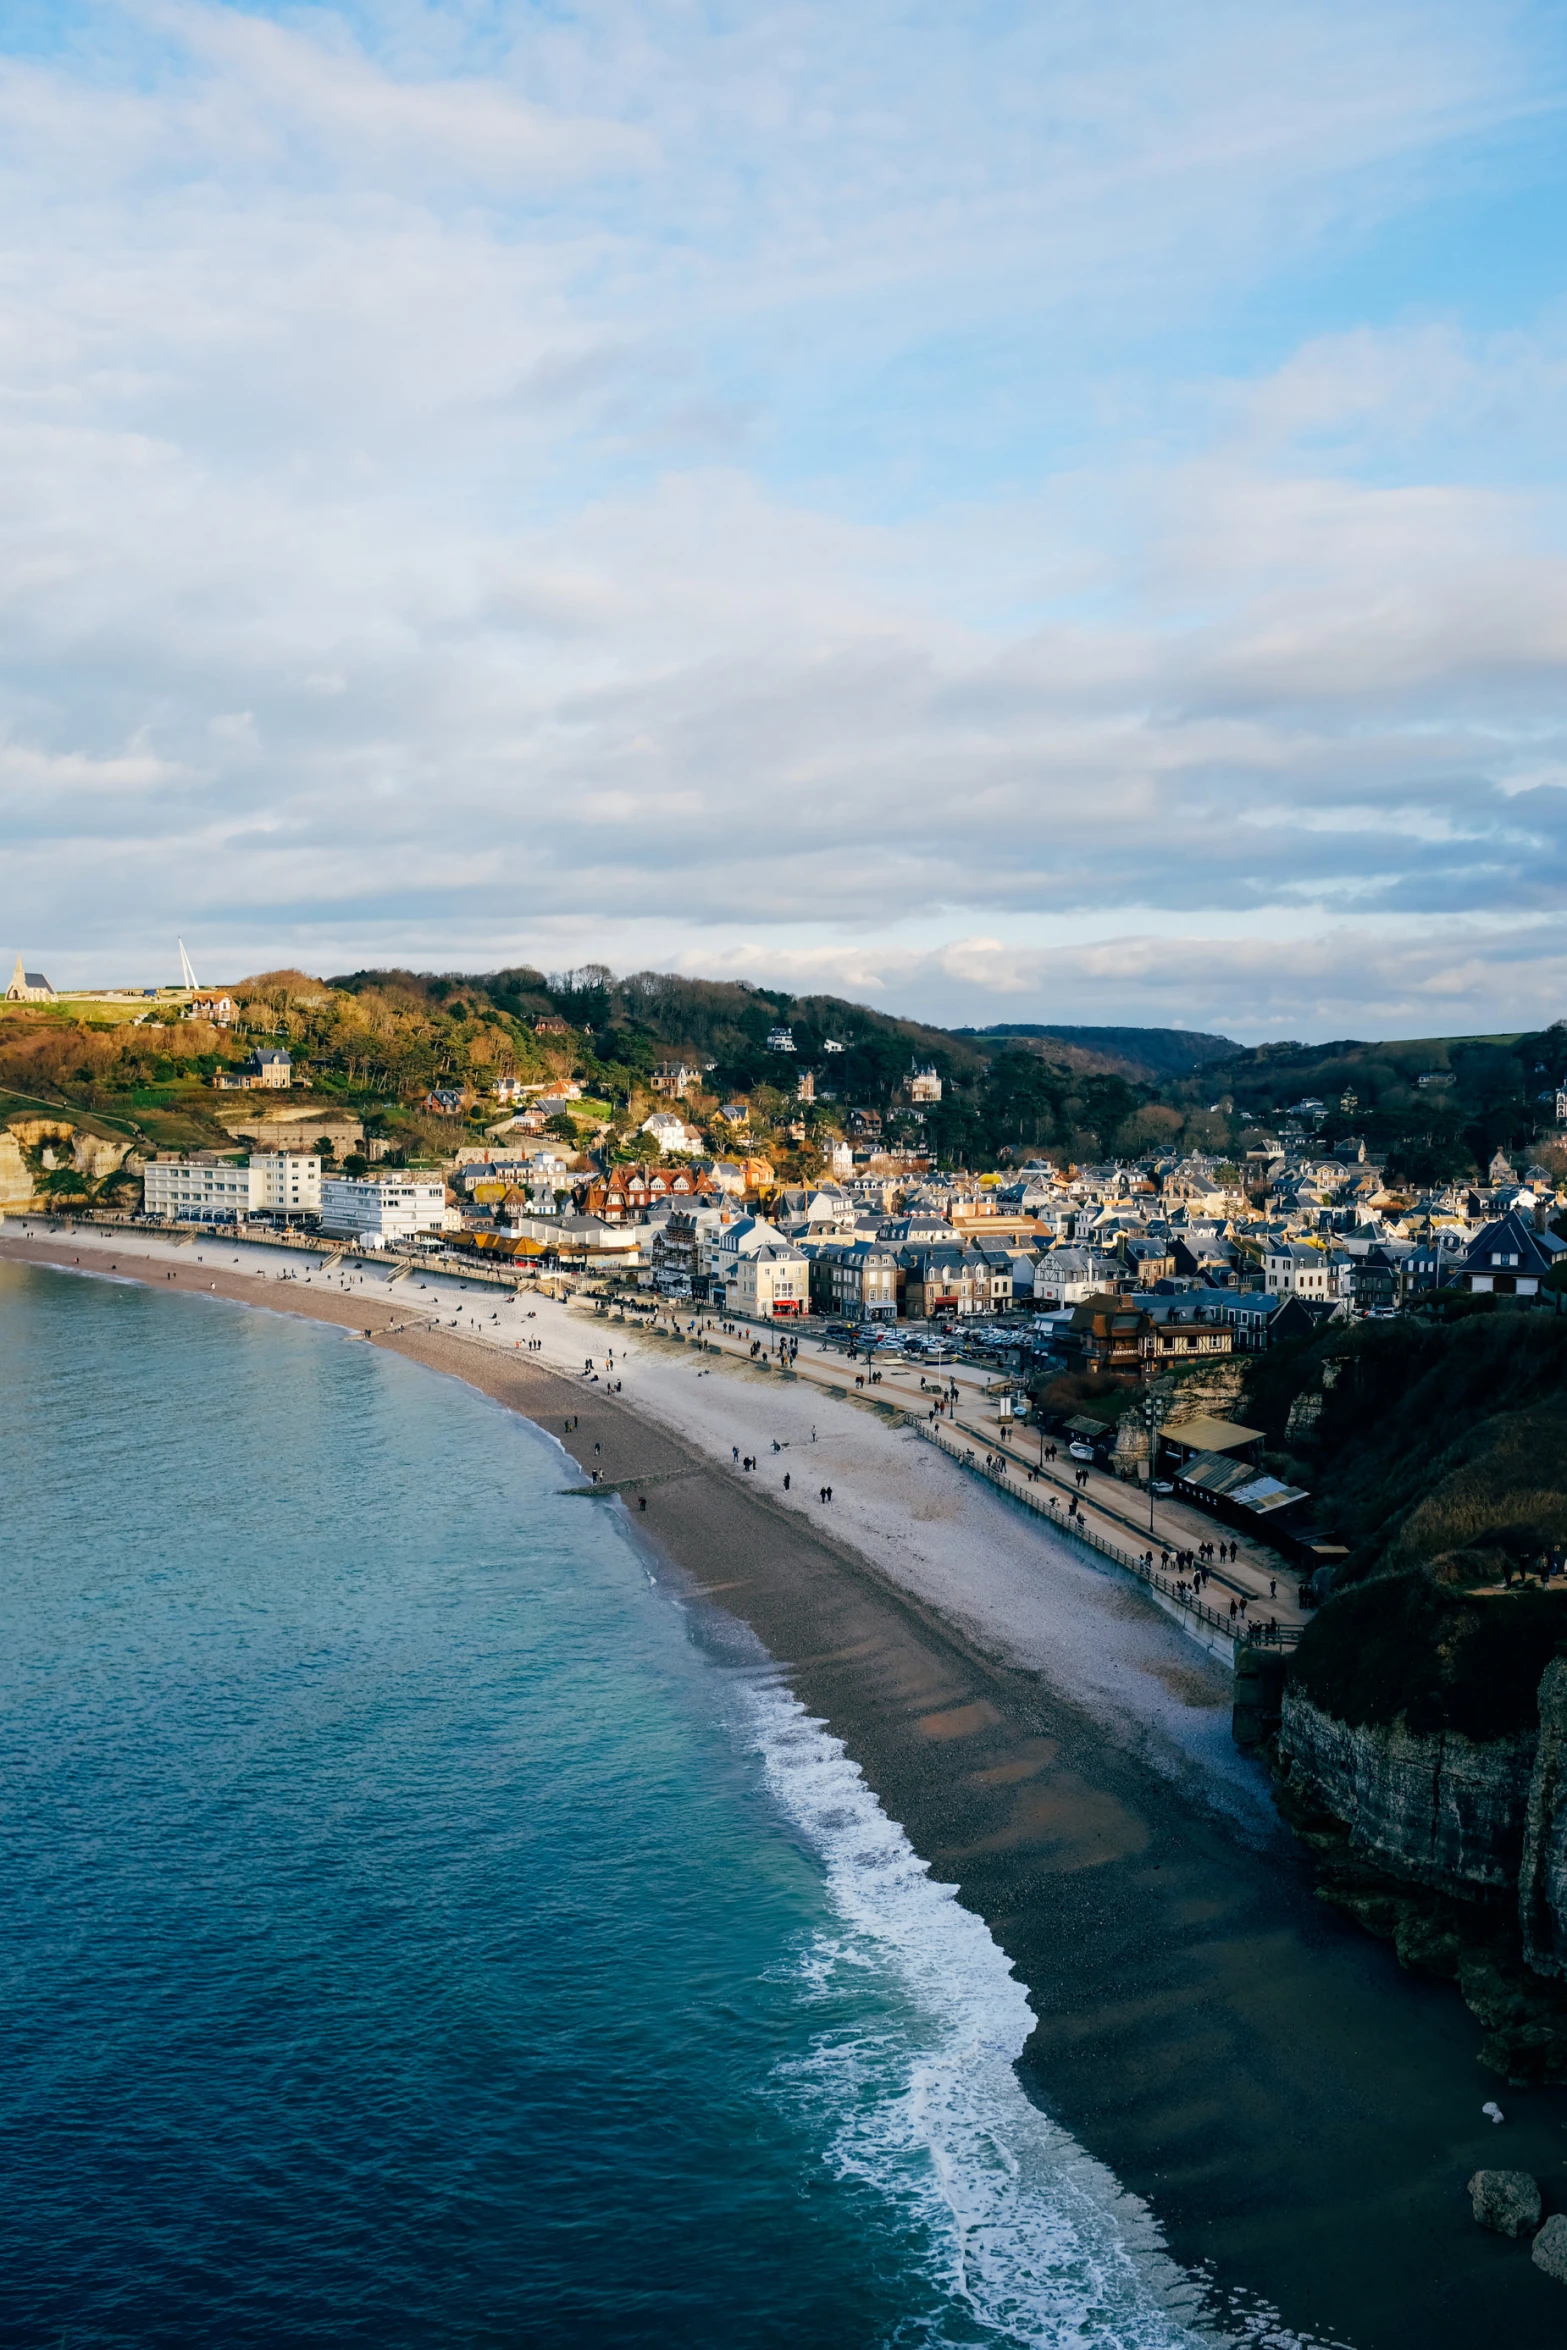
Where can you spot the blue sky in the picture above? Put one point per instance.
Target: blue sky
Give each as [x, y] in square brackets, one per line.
[1012, 513]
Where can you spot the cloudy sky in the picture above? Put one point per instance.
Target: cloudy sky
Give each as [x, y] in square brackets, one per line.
[1039, 512]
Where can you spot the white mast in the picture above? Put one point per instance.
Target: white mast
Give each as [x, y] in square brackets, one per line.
[187, 975]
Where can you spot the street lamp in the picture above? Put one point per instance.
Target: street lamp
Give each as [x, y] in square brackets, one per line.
[1155, 1411]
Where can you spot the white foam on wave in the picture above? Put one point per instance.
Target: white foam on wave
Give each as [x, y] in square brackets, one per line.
[915, 2089]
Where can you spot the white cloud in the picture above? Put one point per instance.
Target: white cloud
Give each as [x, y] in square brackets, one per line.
[423, 540]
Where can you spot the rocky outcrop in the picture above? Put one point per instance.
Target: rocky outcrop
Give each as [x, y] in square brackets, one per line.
[16, 1176]
[1549, 2249]
[95, 1157]
[1506, 2200]
[1435, 1806]
[1542, 1874]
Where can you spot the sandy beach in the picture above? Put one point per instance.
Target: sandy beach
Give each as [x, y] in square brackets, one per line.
[1298, 2114]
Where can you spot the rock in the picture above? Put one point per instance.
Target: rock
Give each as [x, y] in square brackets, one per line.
[1549, 2249]
[1443, 1809]
[1509, 2202]
[1542, 1876]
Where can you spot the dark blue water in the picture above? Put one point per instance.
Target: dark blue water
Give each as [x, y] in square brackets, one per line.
[419, 1928]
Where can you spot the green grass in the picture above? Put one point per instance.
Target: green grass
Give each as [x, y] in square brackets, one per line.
[100, 1122]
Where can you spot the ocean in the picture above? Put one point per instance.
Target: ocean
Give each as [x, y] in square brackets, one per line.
[423, 1924]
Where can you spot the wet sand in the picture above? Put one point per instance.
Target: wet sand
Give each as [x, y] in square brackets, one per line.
[1300, 2115]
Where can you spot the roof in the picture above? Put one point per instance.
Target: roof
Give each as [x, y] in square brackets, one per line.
[1211, 1473]
[1207, 1435]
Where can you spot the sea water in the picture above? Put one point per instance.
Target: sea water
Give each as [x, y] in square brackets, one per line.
[421, 1925]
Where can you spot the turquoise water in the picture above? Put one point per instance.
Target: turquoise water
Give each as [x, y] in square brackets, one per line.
[421, 1928]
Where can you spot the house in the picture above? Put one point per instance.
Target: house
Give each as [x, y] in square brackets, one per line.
[1179, 1329]
[924, 1085]
[552, 1025]
[770, 1283]
[780, 1040]
[856, 1280]
[627, 1195]
[805, 1086]
[670, 1132]
[1511, 1258]
[865, 1124]
[735, 1113]
[675, 1255]
[273, 1068]
[219, 1009]
[1293, 1268]
[728, 1245]
[28, 987]
[508, 1089]
[673, 1078]
[445, 1100]
[1105, 1334]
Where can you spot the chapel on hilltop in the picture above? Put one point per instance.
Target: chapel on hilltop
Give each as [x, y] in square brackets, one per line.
[28, 987]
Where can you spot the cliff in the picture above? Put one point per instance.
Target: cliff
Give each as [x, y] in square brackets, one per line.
[1430, 1805]
[1443, 1826]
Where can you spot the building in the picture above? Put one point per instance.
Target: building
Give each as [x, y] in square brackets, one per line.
[1510, 1258]
[198, 1188]
[285, 1183]
[856, 1280]
[219, 1009]
[447, 1101]
[377, 1211]
[805, 1086]
[675, 1255]
[780, 1040]
[552, 1025]
[771, 1283]
[273, 1067]
[1293, 1268]
[626, 1194]
[28, 987]
[673, 1078]
[735, 1113]
[671, 1133]
[924, 1085]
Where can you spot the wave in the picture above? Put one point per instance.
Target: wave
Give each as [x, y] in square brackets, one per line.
[910, 2079]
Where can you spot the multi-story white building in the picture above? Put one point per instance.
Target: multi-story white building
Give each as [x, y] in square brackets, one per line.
[203, 1188]
[284, 1183]
[380, 1210]
[200, 1189]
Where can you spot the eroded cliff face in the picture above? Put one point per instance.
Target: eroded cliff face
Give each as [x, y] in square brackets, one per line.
[1542, 1874]
[1442, 1809]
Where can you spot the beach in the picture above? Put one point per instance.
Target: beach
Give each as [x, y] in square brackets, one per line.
[1298, 2114]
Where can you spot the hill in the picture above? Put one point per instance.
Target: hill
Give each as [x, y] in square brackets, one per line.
[1153, 1053]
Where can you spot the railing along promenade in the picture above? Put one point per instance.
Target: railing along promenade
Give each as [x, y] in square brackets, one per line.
[1048, 1507]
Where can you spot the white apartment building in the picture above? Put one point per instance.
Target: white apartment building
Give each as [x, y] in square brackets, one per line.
[205, 1189]
[202, 1189]
[377, 1211]
[284, 1183]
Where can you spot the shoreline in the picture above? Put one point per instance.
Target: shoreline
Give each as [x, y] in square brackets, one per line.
[1298, 2114]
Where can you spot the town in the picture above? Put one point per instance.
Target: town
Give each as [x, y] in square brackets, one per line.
[1102, 1295]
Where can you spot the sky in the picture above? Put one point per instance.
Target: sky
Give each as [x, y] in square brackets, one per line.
[1041, 513]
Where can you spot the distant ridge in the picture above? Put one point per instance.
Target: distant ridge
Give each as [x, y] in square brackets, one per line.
[1151, 1052]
